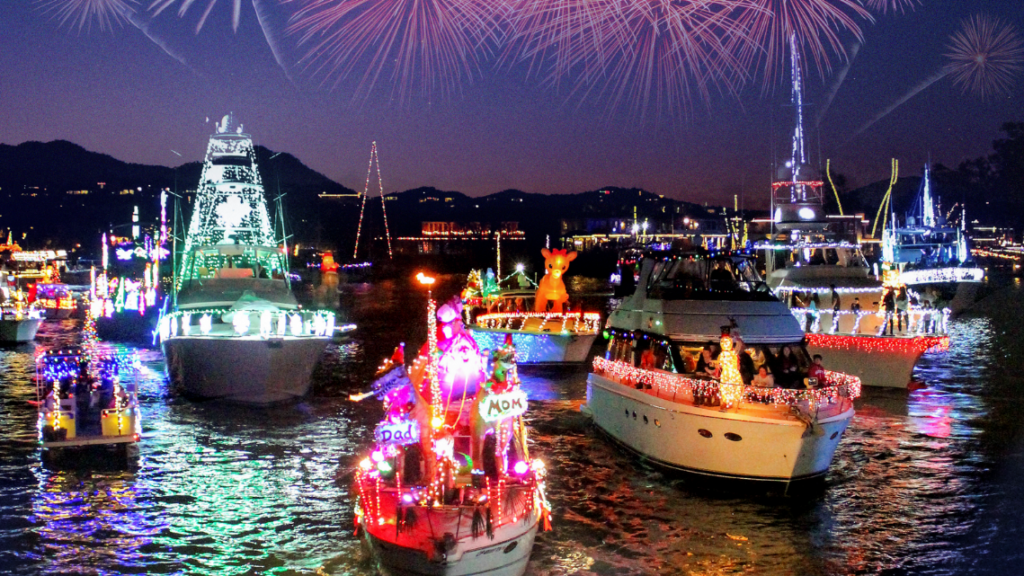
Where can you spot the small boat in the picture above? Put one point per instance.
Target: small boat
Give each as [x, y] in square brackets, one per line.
[87, 396]
[235, 331]
[449, 487]
[648, 391]
[55, 299]
[542, 331]
[124, 291]
[933, 257]
[19, 320]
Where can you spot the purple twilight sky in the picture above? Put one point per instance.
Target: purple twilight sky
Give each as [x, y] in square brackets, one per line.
[120, 92]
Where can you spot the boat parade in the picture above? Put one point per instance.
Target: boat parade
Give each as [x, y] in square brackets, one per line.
[517, 288]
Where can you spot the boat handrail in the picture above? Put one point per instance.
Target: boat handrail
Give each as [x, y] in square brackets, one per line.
[837, 388]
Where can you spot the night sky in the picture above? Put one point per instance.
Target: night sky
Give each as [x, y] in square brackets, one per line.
[118, 92]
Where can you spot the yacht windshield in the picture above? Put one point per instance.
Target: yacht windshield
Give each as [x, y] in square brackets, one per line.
[700, 277]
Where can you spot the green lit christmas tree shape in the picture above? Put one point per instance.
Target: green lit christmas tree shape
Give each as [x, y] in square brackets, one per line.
[230, 209]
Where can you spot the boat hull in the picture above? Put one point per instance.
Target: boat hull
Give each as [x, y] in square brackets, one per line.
[508, 554]
[532, 348]
[18, 331]
[696, 440]
[888, 369]
[243, 370]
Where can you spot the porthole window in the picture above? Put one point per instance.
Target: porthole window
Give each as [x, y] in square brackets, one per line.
[833, 436]
[657, 423]
[645, 419]
[510, 547]
[704, 433]
[627, 412]
[733, 437]
[634, 415]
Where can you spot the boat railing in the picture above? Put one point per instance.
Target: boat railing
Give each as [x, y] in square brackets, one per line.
[837, 388]
[569, 322]
[226, 323]
[917, 321]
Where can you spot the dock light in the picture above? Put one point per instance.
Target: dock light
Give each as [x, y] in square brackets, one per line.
[377, 456]
[384, 467]
[437, 422]
[521, 467]
[806, 214]
[424, 279]
[407, 498]
[365, 464]
[520, 267]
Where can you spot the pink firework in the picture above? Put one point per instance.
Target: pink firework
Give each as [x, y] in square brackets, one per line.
[986, 56]
[884, 6]
[430, 43]
[817, 24]
[84, 13]
[637, 51]
[159, 6]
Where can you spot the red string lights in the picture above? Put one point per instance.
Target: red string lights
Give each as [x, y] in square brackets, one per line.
[883, 344]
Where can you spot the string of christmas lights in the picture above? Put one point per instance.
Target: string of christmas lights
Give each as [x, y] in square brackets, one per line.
[383, 202]
[871, 344]
[838, 386]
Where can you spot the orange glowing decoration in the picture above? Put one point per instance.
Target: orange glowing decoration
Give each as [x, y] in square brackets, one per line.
[424, 279]
[731, 385]
[327, 264]
[551, 288]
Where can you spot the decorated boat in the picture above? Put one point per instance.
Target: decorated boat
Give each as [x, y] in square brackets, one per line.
[814, 263]
[663, 391]
[933, 258]
[124, 293]
[19, 320]
[449, 487]
[87, 395]
[234, 330]
[542, 329]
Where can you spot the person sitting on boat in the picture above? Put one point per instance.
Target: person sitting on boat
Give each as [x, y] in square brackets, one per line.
[816, 373]
[758, 357]
[763, 378]
[788, 368]
[837, 303]
[706, 365]
[647, 361]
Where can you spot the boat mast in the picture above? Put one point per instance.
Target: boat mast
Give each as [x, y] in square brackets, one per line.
[799, 156]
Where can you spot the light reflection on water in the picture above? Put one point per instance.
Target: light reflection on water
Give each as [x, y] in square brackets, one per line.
[919, 485]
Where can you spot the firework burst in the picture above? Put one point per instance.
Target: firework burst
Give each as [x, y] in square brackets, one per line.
[84, 13]
[986, 56]
[884, 6]
[818, 24]
[430, 43]
[640, 51]
[159, 6]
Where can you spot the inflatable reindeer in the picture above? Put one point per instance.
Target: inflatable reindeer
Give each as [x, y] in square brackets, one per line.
[551, 288]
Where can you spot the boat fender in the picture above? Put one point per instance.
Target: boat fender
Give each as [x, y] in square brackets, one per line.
[586, 411]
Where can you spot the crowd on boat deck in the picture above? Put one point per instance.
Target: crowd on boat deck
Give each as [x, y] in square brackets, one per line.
[786, 367]
[89, 396]
[896, 304]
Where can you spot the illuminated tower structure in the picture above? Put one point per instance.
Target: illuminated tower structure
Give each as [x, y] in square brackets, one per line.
[230, 206]
[797, 201]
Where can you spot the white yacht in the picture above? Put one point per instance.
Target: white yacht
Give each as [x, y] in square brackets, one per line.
[235, 331]
[814, 263]
[649, 394]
